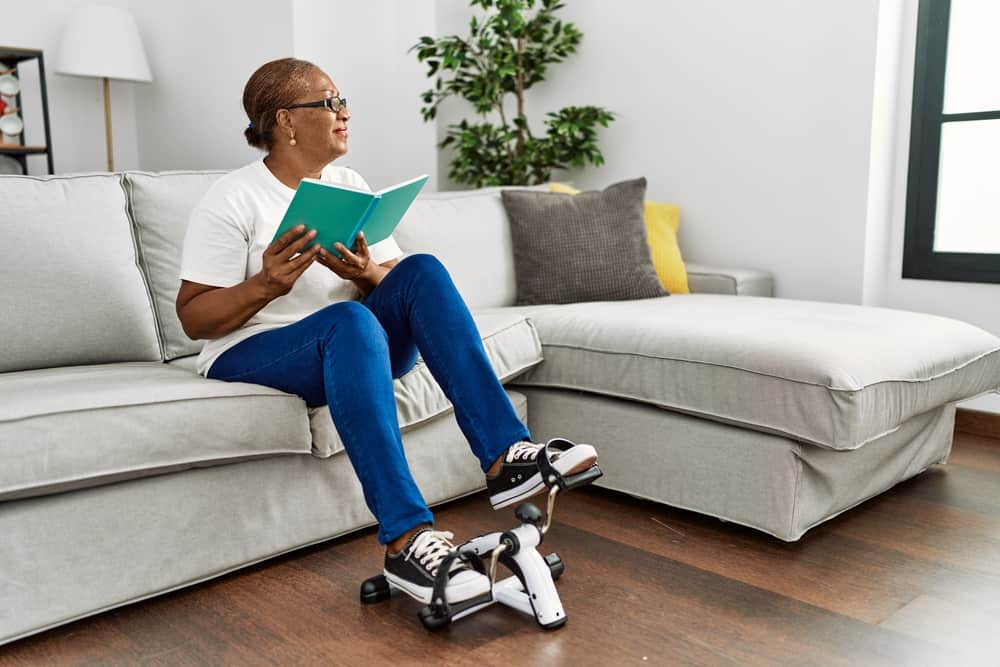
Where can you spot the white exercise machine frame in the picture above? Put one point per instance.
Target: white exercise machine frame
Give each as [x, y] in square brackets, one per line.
[530, 589]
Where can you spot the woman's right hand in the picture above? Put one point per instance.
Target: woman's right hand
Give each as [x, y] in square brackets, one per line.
[209, 312]
[280, 270]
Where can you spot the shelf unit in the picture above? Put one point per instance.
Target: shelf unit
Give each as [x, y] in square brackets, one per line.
[11, 57]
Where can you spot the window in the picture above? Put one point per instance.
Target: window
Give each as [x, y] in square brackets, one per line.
[953, 187]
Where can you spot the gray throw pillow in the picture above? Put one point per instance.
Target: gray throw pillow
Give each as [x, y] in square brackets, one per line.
[585, 247]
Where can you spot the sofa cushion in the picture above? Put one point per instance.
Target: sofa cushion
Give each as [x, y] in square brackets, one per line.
[469, 232]
[68, 428]
[586, 247]
[512, 347]
[161, 205]
[72, 291]
[662, 221]
[830, 374]
[458, 228]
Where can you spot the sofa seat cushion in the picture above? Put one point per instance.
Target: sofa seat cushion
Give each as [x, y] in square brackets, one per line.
[834, 375]
[69, 428]
[512, 347]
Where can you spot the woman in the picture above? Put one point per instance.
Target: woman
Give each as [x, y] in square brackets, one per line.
[286, 314]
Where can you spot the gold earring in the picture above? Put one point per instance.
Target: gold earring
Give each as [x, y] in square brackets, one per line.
[292, 142]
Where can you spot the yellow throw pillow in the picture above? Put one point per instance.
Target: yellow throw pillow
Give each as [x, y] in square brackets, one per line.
[563, 189]
[662, 221]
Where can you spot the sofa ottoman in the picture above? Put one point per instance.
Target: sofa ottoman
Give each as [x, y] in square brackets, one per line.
[774, 413]
[831, 375]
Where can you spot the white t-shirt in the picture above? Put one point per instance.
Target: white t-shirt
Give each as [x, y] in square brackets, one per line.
[230, 229]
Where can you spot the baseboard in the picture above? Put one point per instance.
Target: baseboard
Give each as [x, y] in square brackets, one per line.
[977, 422]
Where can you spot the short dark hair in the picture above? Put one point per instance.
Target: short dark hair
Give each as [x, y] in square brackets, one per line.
[273, 86]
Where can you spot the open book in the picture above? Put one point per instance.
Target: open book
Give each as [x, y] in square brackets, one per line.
[338, 212]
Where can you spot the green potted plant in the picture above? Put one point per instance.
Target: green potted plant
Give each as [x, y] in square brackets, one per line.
[506, 52]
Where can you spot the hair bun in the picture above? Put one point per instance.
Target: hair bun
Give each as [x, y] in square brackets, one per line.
[252, 136]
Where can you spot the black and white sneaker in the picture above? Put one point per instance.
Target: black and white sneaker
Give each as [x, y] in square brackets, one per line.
[519, 476]
[414, 568]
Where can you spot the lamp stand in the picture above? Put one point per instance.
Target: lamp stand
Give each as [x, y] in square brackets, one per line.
[107, 123]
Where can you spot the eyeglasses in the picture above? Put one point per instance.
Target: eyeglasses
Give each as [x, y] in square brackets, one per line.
[334, 104]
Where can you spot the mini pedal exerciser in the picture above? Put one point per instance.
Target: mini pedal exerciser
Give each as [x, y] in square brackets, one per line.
[530, 589]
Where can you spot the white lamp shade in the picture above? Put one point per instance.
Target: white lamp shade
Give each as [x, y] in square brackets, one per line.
[102, 41]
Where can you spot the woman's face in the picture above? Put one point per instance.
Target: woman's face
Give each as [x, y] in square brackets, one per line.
[318, 130]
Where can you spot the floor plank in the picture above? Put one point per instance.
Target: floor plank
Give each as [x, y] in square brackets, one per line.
[978, 452]
[958, 627]
[978, 422]
[909, 577]
[822, 570]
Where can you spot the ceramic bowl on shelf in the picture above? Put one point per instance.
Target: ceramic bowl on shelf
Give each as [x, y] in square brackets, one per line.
[11, 123]
[9, 165]
[9, 85]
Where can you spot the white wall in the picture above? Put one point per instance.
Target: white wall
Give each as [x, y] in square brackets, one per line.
[76, 104]
[882, 156]
[754, 117]
[193, 118]
[202, 54]
[363, 47]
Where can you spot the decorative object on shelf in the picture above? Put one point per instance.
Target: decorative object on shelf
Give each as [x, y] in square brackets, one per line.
[507, 51]
[9, 165]
[9, 85]
[14, 149]
[103, 41]
[11, 123]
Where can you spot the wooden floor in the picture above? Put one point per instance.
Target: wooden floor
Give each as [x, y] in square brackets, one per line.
[911, 577]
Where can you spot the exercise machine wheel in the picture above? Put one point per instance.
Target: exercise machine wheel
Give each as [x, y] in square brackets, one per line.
[431, 619]
[556, 565]
[375, 589]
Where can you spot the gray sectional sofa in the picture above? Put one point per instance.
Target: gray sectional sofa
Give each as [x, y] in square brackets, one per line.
[123, 474]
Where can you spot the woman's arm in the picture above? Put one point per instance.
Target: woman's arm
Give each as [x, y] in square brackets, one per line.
[208, 312]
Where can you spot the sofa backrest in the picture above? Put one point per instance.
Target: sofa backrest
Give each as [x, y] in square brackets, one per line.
[72, 289]
[91, 273]
[469, 232]
[161, 205]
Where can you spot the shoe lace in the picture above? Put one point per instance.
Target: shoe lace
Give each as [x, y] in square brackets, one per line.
[523, 451]
[431, 547]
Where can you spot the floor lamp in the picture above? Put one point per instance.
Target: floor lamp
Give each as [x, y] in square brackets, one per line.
[103, 41]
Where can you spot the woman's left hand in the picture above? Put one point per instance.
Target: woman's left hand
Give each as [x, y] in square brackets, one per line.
[356, 266]
[350, 265]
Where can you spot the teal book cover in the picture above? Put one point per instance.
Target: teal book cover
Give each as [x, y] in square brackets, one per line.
[338, 212]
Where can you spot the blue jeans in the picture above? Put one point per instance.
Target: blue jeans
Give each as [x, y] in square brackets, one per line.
[346, 355]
